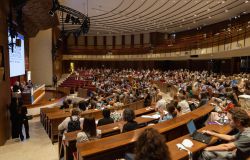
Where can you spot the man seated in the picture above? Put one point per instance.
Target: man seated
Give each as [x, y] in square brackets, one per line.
[106, 118]
[239, 119]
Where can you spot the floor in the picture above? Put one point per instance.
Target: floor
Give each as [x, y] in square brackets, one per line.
[38, 147]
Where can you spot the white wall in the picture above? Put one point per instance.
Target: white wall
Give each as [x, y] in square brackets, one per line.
[40, 58]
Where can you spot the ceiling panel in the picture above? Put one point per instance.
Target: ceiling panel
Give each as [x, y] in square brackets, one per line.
[143, 16]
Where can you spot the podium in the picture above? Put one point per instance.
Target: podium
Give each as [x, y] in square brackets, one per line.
[32, 95]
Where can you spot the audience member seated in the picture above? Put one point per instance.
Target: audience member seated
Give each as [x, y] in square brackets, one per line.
[83, 105]
[75, 105]
[72, 90]
[106, 118]
[69, 101]
[203, 98]
[72, 123]
[170, 114]
[89, 131]
[65, 105]
[148, 99]
[239, 119]
[150, 146]
[160, 103]
[129, 116]
[183, 105]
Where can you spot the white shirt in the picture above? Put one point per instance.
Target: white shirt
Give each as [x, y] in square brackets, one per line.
[161, 104]
[184, 106]
[64, 124]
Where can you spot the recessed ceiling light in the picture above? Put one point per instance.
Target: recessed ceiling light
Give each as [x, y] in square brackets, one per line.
[246, 1]
[222, 2]
[226, 10]
[195, 15]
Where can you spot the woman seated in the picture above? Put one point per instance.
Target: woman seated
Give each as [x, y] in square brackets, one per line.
[89, 131]
[183, 105]
[129, 116]
[170, 114]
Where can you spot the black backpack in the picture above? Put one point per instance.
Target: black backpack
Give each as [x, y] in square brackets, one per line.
[74, 125]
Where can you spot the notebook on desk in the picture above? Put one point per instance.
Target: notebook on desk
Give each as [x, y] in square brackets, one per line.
[197, 135]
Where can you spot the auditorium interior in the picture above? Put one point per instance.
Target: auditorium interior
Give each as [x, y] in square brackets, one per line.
[154, 66]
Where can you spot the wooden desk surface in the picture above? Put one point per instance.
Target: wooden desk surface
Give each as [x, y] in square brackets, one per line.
[143, 111]
[175, 153]
[109, 143]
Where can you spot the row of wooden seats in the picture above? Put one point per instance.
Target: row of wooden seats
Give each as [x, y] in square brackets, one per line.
[66, 89]
[116, 146]
[69, 143]
[51, 120]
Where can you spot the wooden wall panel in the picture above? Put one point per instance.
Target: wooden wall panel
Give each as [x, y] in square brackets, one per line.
[218, 66]
[4, 85]
[137, 39]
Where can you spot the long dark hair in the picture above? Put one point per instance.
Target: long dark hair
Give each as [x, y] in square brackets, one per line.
[151, 146]
[89, 126]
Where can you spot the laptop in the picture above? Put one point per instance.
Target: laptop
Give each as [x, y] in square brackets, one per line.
[196, 135]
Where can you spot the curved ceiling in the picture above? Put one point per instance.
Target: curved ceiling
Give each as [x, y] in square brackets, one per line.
[110, 17]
